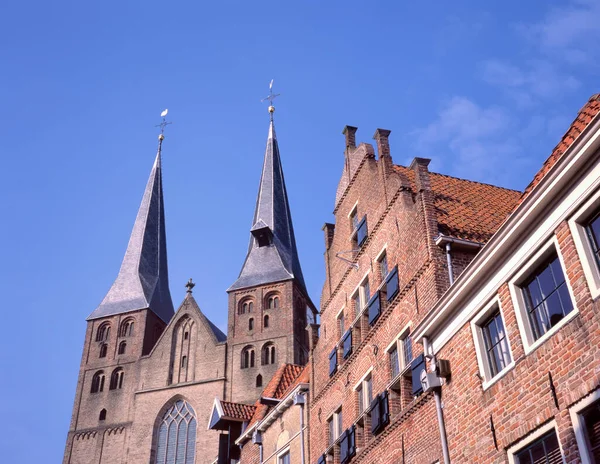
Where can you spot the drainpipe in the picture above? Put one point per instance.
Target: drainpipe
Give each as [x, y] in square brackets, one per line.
[449, 260]
[260, 453]
[438, 398]
[300, 400]
[257, 439]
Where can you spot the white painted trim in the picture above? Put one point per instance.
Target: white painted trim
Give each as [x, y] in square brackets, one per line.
[531, 438]
[283, 451]
[380, 254]
[337, 316]
[363, 378]
[529, 344]
[478, 340]
[353, 209]
[401, 335]
[579, 425]
[503, 254]
[583, 245]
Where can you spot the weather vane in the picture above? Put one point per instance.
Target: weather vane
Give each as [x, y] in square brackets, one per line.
[163, 124]
[272, 96]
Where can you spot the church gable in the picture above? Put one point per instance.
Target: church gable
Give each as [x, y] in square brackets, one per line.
[191, 349]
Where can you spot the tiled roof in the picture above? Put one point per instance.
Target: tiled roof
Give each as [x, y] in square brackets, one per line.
[585, 116]
[286, 378]
[466, 209]
[238, 410]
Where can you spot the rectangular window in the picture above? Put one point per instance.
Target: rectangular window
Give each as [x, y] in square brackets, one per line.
[285, 459]
[362, 296]
[406, 350]
[338, 416]
[333, 362]
[496, 346]
[593, 232]
[544, 450]
[383, 266]
[394, 361]
[331, 427]
[591, 426]
[354, 218]
[365, 394]
[347, 344]
[546, 297]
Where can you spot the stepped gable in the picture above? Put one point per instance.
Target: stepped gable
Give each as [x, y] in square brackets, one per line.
[466, 209]
[584, 118]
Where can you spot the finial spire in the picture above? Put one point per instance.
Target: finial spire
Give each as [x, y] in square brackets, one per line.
[190, 285]
[162, 126]
[272, 96]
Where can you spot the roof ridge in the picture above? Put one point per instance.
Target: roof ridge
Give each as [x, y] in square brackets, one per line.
[476, 182]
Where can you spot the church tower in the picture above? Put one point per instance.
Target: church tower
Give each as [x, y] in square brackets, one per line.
[268, 303]
[122, 329]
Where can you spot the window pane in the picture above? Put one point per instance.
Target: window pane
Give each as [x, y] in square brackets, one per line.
[407, 350]
[331, 432]
[361, 400]
[546, 282]
[369, 387]
[383, 266]
[339, 417]
[544, 450]
[591, 417]
[495, 343]
[394, 365]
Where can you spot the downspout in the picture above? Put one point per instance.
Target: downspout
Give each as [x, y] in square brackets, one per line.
[300, 401]
[260, 453]
[449, 261]
[438, 400]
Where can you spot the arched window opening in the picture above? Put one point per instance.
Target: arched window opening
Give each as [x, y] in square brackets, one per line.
[122, 347]
[103, 350]
[272, 302]
[247, 357]
[126, 329]
[177, 435]
[266, 323]
[103, 332]
[116, 379]
[98, 382]
[184, 361]
[186, 335]
[102, 415]
[251, 324]
[268, 354]
[259, 380]
[246, 307]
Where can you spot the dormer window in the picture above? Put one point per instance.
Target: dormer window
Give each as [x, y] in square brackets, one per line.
[262, 233]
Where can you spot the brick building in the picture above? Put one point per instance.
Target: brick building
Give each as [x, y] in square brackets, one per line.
[458, 323]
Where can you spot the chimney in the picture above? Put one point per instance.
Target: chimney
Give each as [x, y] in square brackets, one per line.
[350, 133]
[329, 230]
[313, 336]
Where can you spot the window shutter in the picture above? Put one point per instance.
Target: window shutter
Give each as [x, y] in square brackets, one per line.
[417, 366]
[347, 343]
[351, 441]
[375, 418]
[333, 362]
[362, 233]
[374, 308]
[391, 284]
[385, 408]
[344, 448]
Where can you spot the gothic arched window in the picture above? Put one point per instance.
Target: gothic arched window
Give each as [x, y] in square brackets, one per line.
[259, 380]
[102, 415]
[116, 379]
[103, 332]
[126, 328]
[122, 347]
[251, 324]
[246, 306]
[98, 382]
[266, 324]
[177, 435]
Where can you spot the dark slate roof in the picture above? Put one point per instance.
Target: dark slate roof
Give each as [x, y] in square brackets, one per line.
[279, 260]
[143, 280]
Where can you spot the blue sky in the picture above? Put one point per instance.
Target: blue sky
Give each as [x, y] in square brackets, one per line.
[485, 91]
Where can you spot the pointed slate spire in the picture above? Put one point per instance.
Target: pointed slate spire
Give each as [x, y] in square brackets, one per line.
[272, 254]
[143, 280]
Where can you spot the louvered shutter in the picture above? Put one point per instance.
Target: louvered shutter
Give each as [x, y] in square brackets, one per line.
[362, 232]
[417, 366]
[344, 448]
[384, 407]
[333, 362]
[351, 441]
[375, 418]
[592, 428]
[374, 308]
[322, 459]
[391, 284]
[347, 343]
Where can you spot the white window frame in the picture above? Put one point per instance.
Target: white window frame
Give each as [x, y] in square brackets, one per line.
[514, 449]
[338, 316]
[378, 261]
[480, 348]
[361, 384]
[337, 429]
[360, 289]
[353, 210]
[579, 425]
[529, 344]
[282, 453]
[398, 343]
[583, 246]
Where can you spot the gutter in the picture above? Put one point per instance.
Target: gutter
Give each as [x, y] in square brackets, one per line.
[508, 236]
